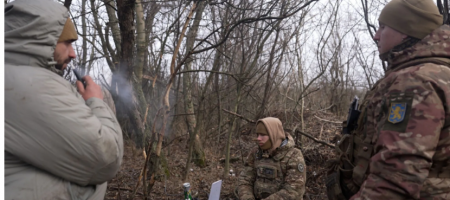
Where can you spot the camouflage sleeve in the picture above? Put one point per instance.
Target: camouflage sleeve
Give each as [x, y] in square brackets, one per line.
[247, 178]
[408, 135]
[294, 181]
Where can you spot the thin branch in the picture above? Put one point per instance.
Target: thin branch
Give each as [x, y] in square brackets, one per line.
[326, 107]
[245, 21]
[311, 137]
[211, 71]
[370, 27]
[238, 115]
[105, 83]
[327, 120]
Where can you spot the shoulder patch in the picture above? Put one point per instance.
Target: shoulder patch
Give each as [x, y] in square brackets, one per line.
[301, 167]
[397, 112]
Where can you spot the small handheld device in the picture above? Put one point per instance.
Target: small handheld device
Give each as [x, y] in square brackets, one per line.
[79, 77]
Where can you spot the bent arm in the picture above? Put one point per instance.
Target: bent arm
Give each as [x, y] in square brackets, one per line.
[404, 154]
[294, 181]
[247, 178]
[50, 126]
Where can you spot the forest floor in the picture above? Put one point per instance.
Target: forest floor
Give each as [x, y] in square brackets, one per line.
[321, 125]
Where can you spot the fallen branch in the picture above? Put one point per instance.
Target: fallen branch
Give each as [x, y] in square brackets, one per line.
[311, 137]
[321, 110]
[240, 116]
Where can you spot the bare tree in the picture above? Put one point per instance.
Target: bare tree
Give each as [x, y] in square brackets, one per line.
[212, 68]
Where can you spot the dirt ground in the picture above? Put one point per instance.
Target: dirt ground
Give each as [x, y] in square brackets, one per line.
[323, 126]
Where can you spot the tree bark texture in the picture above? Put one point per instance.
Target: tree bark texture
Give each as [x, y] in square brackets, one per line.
[107, 53]
[113, 23]
[84, 45]
[127, 104]
[195, 146]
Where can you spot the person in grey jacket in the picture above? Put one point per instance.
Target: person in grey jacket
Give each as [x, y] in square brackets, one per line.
[61, 142]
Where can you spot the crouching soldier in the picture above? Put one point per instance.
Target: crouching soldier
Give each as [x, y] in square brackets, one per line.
[275, 170]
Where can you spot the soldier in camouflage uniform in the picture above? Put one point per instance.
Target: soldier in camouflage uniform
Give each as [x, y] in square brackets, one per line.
[276, 169]
[401, 146]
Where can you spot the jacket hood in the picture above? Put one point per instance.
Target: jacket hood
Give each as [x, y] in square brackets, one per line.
[275, 130]
[281, 151]
[436, 45]
[32, 29]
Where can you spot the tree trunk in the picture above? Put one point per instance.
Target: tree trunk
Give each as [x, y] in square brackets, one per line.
[216, 67]
[113, 23]
[138, 68]
[230, 134]
[107, 53]
[196, 152]
[269, 78]
[123, 77]
[165, 103]
[84, 45]
[91, 58]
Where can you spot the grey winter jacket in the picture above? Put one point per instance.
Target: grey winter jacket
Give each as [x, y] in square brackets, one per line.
[57, 145]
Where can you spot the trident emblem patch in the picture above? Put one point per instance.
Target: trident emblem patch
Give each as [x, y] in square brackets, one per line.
[397, 112]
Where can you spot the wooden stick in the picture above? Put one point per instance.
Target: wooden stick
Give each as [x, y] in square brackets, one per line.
[327, 120]
[146, 158]
[240, 116]
[146, 114]
[313, 138]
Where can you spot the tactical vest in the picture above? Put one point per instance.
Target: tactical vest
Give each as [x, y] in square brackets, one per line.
[270, 174]
[356, 149]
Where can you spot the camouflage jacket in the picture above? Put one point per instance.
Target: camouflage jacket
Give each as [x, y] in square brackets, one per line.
[405, 126]
[280, 176]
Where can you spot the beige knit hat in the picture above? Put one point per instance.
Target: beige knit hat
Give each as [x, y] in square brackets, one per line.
[415, 18]
[68, 33]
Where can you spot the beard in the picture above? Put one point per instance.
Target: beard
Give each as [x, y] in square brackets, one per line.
[61, 65]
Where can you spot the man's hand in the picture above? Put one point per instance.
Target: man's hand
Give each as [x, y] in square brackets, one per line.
[91, 90]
